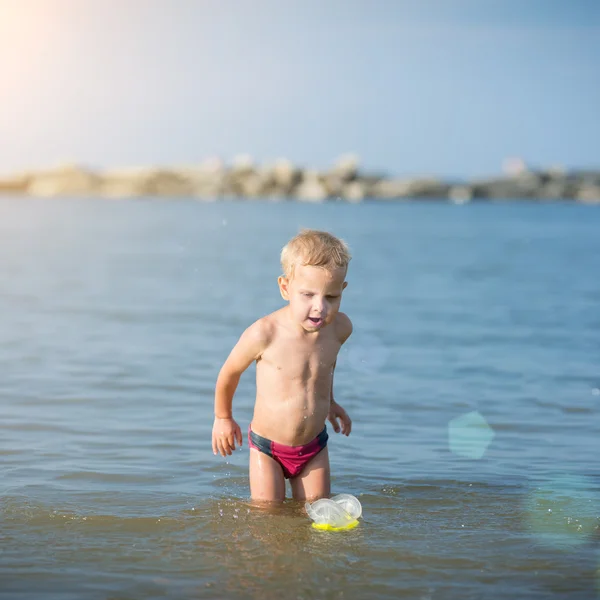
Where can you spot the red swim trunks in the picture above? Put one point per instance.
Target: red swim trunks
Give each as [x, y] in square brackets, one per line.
[292, 459]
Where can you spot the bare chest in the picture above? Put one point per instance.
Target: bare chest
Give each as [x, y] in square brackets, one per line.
[301, 360]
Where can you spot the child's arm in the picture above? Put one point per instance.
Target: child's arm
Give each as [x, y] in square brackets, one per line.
[335, 410]
[248, 349]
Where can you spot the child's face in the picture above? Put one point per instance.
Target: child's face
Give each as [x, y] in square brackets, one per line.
[314, 295]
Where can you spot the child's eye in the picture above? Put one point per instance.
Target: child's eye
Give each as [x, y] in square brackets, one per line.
[332, 297]
[307, 294]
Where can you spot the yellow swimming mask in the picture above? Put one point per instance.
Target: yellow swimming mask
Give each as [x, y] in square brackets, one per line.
[339, 513]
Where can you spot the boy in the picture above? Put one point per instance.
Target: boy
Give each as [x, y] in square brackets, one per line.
[295, 349]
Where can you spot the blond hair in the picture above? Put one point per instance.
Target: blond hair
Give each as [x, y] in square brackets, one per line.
[315, 249]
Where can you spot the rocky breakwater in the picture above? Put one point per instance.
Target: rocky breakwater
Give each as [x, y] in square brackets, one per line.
[213, 180]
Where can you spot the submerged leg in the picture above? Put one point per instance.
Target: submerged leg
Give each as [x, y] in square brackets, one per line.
[267, 483]
[314, 480]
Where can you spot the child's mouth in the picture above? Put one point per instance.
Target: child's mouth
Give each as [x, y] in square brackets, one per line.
[316, 321]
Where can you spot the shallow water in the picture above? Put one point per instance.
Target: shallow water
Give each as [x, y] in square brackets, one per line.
[472, 378]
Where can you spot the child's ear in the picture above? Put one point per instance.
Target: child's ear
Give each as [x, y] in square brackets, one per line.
[345, 284]
[283, 283]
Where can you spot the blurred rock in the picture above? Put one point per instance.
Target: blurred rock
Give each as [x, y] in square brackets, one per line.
[555, 190]
[208, 179]
[524, 185]
[355, 191]
[284, 175]
[125, 183]
[244, 178]
[411, 188]
[589, 194]
[65, 180]
[312, 187]
[16, 183]
[242, 163]
[460, 194]
[346, 167]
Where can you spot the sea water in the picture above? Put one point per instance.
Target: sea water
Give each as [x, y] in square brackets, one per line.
[472, 379]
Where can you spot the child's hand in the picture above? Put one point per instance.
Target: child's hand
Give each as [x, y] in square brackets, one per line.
[224, 435]
[337, 412]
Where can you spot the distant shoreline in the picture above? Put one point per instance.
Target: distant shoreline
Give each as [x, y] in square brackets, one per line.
[214, 180]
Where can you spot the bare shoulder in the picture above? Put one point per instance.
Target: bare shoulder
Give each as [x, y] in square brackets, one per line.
[343, 326]
[257, 337]
[249, 347]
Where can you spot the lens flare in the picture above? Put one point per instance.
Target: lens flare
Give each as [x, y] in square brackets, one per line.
[470, 435]
[565, 510]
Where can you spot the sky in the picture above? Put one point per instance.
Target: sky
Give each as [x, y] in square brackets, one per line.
[422, 87]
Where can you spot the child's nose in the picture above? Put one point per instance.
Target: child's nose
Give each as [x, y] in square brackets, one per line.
[319, 304]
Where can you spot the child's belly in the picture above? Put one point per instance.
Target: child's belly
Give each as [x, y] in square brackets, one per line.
[293, 421]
